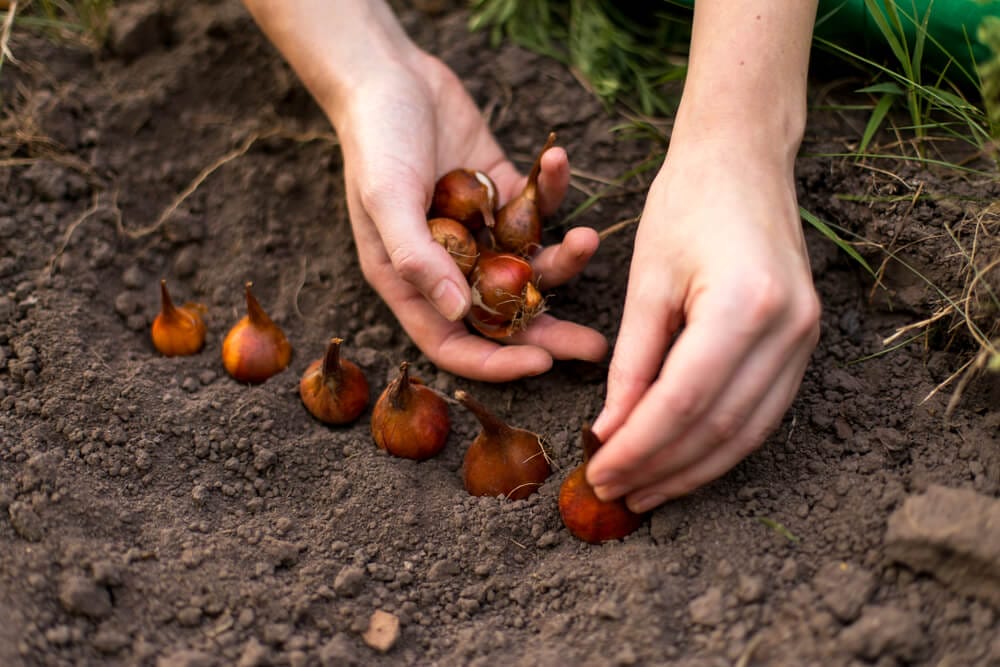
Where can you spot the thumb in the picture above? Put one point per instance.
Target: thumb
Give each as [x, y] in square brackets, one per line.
[417, 258]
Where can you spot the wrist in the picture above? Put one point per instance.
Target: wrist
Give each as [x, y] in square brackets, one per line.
[334, 47]
[771, 135]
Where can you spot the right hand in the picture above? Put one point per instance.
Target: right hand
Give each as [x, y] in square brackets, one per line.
[400, 129]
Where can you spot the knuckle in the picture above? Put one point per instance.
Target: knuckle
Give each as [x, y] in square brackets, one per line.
[371, 193]
[684, 403]
[408, 262]
[724, 426]
[807, 317]
[762, 298]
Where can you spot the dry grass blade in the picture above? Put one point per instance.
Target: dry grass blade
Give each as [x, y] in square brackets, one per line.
[617, 227]
[203, 175]
[8, 23]
[922, 324]
[91, 210]
[192, 187]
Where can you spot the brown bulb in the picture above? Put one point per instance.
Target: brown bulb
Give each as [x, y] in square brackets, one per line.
[255, 348]
[410, 419]
[502, 460]
[518, 227]
[583, 513]
[333, 389]
[457, 240]
[466, 195]
[178, 330]
[504, 297]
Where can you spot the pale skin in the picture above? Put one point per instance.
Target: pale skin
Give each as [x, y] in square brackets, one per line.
[720, 316]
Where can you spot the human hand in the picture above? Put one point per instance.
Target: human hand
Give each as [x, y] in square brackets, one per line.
[721, 263]
[399, 131]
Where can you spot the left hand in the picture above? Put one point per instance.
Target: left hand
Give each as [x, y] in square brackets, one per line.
[721, 263]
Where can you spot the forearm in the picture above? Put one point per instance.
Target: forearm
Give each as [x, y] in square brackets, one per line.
[332, 46]
[747, 73]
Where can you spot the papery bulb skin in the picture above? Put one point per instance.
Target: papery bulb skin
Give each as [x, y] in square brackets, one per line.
[177, 330]
[466, 195]
[504, 297]
[333, 389]
[585, 515]
[255, 348]
[502, 460]
[410, 419]
[457, 240]
[518, 227]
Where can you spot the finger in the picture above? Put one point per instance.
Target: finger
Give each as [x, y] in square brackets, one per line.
[451, 347]
[553, 180]
[722, 459]
[701, 363]
[562, 339]
[768, 368]
[649, 320]
[556, 264]
[415, 256]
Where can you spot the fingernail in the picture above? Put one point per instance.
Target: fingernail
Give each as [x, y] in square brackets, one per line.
[602, 477]
[449, 301]
[609, 491]
[645, 503]
[596, 426]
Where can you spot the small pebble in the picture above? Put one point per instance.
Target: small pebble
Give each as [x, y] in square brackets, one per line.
[382, 632]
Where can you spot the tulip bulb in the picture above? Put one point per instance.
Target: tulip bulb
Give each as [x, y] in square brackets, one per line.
[457, 240]
[466, 195]
[583, 513]
[333, 389]
[178, 330]
[504, 297]
[518, 227]
[410, 419]
[255, 348]
[502, 460]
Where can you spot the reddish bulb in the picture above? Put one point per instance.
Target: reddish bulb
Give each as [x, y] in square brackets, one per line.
[410, 419]
[504, 297]
[518, 227]
[177, 330]
[255, 348]
[457, 240]
[466, 195]
[333, 389]
[502, 460]
[584, 514]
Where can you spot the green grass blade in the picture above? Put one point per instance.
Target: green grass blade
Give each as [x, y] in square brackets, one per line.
[829, 233]
[886, 87]
[898, 46]
[875, 120]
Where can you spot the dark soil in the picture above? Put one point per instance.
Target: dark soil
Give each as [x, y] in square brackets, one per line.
[154, 511]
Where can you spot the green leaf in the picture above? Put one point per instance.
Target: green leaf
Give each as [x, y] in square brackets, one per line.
[888, 87]
[875, 121]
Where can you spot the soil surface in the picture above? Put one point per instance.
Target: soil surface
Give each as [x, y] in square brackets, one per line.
[153, 511]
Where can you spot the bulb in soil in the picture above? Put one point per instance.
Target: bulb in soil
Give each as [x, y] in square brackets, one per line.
[410, 419]
[255, 348]
[333, 389]
[583, 513]
[502, 460]
[177, 330]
